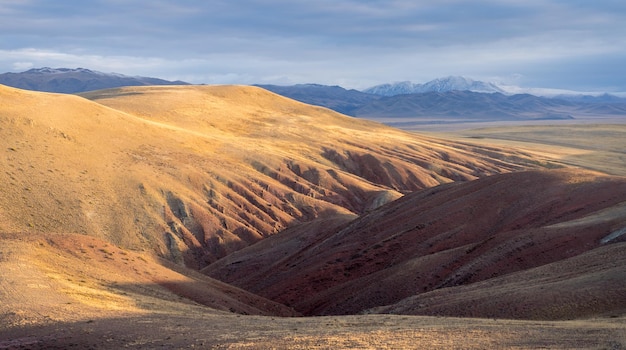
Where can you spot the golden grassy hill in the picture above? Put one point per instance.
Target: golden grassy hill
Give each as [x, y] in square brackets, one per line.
[196, 172]
[49, 278]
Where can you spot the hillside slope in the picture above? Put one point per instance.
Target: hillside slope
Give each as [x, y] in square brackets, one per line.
[448, 236]
[584, 286]
[195, 173]
[49, 278]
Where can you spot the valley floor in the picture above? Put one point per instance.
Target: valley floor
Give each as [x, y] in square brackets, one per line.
[600, 147]
[226, 331]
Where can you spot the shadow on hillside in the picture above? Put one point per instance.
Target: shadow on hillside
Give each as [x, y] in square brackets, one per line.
[167, 295]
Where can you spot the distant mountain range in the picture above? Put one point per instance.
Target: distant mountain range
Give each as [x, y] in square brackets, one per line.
[333, 97]
[459, 83]
[451, 83]
[452, 99]
[68, 80]
[467, 106]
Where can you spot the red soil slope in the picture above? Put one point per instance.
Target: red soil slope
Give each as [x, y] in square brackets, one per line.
[447, 236]
[592, 284]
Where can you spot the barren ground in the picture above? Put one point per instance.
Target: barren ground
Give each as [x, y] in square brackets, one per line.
[206, 330]
[600, 147]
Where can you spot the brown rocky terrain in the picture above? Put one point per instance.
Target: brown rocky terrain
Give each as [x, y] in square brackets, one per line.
[431, 242]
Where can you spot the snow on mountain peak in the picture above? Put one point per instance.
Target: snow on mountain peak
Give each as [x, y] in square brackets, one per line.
[451, 83]
[48, 70]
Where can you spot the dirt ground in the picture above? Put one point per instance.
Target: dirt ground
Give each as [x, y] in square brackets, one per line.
[225, 331]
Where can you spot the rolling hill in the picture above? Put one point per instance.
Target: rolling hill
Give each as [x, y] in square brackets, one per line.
[197, 172]
[55, 277]
[531, 245]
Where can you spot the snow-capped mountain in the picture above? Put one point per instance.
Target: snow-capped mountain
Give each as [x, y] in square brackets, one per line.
[74, 80]
[451, 83]
[48, 70]
[400, 88]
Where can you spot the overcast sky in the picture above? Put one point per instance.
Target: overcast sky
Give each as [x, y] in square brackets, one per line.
[571, 44]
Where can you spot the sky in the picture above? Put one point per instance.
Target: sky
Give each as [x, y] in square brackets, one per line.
[562, 44]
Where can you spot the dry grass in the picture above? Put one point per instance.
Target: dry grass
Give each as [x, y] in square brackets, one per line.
[592, 146]
[345, 332]
[195, 173]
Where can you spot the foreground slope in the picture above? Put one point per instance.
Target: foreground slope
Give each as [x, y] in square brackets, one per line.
[48, 278]
[459, 234]
[67, 291]
[584, 286]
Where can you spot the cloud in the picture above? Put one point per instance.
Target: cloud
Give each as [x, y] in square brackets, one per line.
[21, 66]
[32, 57]
[347, 42]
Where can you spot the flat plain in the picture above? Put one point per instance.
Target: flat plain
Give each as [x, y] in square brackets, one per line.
[599, 147]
